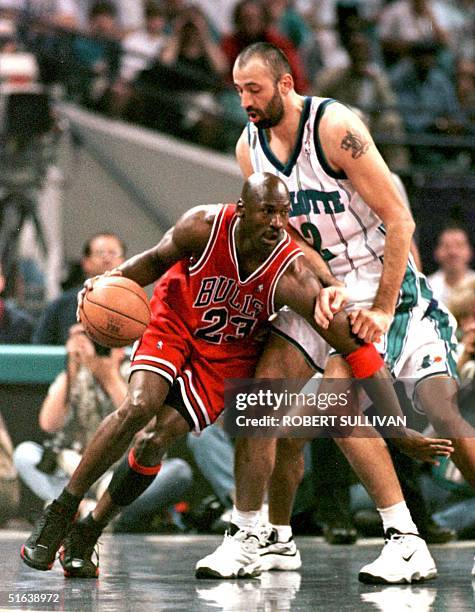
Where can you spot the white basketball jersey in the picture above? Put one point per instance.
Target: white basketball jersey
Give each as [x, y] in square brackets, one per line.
[326, 209]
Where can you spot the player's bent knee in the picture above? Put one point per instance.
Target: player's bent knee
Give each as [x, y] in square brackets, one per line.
[137, 411]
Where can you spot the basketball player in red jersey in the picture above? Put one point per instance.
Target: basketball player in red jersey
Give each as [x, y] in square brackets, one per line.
[224, 270]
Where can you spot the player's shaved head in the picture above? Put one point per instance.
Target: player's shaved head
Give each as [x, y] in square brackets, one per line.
[263, 186]
[273, 57]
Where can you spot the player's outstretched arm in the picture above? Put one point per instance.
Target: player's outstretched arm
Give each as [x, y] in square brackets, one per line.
[298, 288]
[187, 238]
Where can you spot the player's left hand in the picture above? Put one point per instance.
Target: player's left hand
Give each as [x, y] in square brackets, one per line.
[417, 446]
[369, 324]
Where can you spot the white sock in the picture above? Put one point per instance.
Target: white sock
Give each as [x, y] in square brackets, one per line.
[398, 517]
[284, 532]
[245, 520]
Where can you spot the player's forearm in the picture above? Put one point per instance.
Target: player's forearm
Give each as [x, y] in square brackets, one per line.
[396, 251]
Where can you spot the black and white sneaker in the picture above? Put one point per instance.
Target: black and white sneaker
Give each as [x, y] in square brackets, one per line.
[405, 558]
[79, 548]
[39, 551]
[277, 555]
[236, 557]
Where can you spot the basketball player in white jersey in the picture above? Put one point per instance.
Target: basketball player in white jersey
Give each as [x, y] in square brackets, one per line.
[346, 206]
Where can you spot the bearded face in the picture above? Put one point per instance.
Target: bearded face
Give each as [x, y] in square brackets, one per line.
[272, 114]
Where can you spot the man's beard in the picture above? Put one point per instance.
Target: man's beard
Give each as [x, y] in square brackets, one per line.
[274, 112]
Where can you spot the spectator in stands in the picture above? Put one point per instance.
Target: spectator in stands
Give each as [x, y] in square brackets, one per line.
[174, 9]
[191, 68]
[92, 386]
[365, 85]
[143, 46]
[16, 326]
[9, 485]
[54, 13]
[465, 87]
[289, 22]
[404, 23]
[252, 24]
[458, 18]
[139, 50]
[101, 252]
[324, 49]
[96, 57]
[427, 98]
[453, 254]
[462, 305]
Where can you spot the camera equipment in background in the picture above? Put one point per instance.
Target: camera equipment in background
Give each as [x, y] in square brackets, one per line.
[51, 449]
[102, 351]
[26, 150]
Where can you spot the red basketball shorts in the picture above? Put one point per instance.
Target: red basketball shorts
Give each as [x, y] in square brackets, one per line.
[197, 382]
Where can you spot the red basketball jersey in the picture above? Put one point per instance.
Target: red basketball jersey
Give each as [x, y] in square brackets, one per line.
[222, 310]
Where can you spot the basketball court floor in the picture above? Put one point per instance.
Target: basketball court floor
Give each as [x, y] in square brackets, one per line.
[156, 573]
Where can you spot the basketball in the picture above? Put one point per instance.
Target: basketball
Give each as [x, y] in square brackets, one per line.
[116, 312]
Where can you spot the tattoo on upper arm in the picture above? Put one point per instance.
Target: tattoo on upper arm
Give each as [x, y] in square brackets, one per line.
[354, 142]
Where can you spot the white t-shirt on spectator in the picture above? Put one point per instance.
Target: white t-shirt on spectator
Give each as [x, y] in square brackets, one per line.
[140, 49]
[398, 21]
[442, 291]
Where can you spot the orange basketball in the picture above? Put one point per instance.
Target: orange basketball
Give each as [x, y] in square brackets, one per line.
[115, 312]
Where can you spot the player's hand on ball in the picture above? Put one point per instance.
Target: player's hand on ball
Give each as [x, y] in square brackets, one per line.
[369, 324]
[89, 286]
[329, 301]
[417, 446]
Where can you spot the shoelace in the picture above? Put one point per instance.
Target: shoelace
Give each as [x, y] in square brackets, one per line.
[264, 533]
[245, 540]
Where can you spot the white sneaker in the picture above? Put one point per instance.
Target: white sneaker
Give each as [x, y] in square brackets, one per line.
[473, 568]
[277, 555]
[404, 558]
[236, 557]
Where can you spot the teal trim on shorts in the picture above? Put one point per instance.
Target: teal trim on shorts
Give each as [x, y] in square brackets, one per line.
[396, 337]
[409, 291]
[445, 332]
[426, 291]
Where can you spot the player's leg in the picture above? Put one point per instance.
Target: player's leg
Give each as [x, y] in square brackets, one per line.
[427, 356]
[254, 464]
[132, 476]
[437, 396]
[280, 360]
[146, 394]
[371, 461]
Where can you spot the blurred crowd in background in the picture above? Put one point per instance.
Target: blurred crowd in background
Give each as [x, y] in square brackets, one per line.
[166, 64]
[408, 65]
